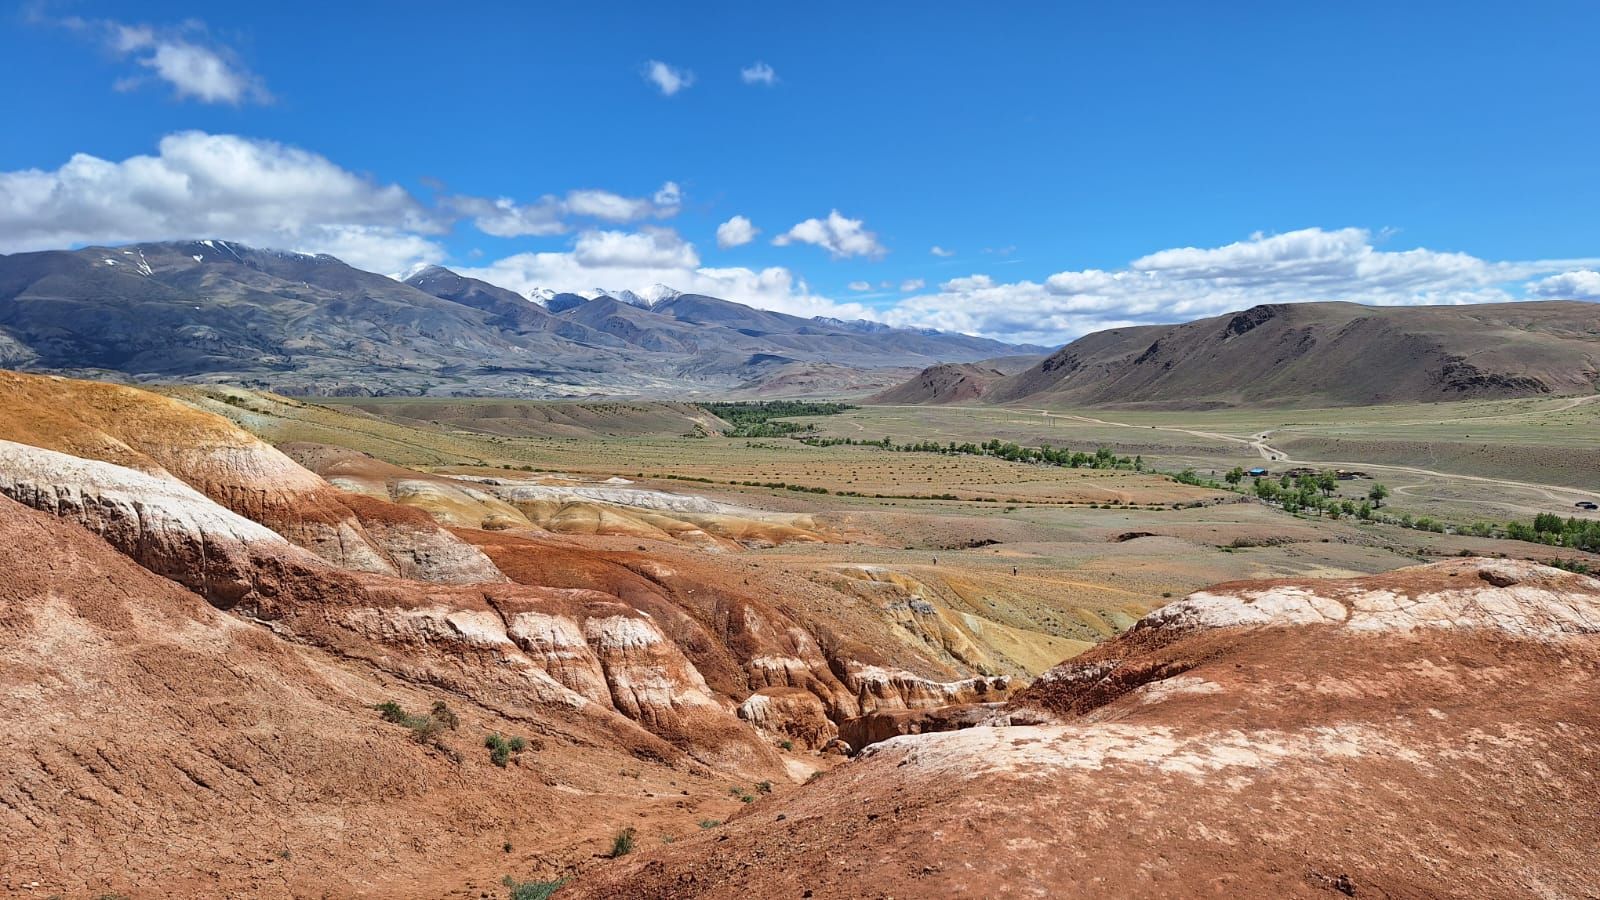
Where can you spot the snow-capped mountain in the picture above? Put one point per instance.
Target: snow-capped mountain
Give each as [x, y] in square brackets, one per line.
[645, 299]
[865, 326]
[309, 324]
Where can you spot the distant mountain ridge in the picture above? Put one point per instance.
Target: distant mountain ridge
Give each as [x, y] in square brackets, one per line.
[216, 311]
[1302, 354]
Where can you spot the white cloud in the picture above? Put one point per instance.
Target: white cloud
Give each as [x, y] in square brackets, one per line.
[268, 194]
[370, 247]
[668, 79]
[669, 196]
[859, 286]
[736, 232]
[504, 217]
[650, 248]
[218, 186]
[184, 57]
[759, 73]
[1583, 284]
[637, 260]
[840, 236]
[912, 284]
[937, 250]
[548, 215]
[1188, 283]
[611, 207]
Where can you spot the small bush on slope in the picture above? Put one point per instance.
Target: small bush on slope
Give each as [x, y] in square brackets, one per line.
[622, 844]
[532, 890]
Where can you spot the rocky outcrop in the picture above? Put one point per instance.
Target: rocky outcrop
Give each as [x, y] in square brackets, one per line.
[878, 688]
[432, 633]
[1519, 598]
[882, 725]
[160, 436]
[164, 524]
[158, 746]
[417, 548]
[790, 715]
[560, 504]
[1426, 732]
[526, 644]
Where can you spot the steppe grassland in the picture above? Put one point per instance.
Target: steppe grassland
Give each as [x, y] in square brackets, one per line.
[1461, 462]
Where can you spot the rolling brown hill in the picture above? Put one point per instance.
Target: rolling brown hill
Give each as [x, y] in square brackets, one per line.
[1316, 354]
[945, 383]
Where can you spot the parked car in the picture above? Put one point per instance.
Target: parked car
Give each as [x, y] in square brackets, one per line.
[1586, 504]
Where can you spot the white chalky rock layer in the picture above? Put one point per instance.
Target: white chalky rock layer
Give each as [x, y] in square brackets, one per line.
[1519, 598]
[631, 497]
[167, 526]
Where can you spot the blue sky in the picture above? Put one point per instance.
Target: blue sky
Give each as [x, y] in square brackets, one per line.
[1078, 165]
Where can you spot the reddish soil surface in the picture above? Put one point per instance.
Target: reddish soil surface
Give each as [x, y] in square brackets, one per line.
[210, 730]
[1310, 760]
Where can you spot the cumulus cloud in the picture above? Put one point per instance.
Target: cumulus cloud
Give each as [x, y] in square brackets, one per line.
[504, 217]
[736, 232]
[650, 248]
[611, 207]
[222, 186]
[669, 196]
[759, 73]
[1583, 284]
[636, 260]
[1189, 282]
[859, 286]
[184, 57]
[840, 236]
[937, 250]
[667, 79]
[912, 284]
[260, 192]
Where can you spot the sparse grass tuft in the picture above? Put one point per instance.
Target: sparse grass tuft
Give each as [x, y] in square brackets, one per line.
[622, 844]
[501, 749]
[425, 729]
[532, 890]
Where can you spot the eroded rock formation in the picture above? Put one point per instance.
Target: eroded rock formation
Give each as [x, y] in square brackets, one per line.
[1427, 732]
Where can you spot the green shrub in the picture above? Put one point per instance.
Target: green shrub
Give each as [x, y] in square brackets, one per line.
[622, 844]
[390, 711]
[532, 890]
[424, 729]
[446, 716]
[500, 749]
[710, 823]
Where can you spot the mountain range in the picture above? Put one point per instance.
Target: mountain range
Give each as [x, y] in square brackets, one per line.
[216, 311]
[1300, 354]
